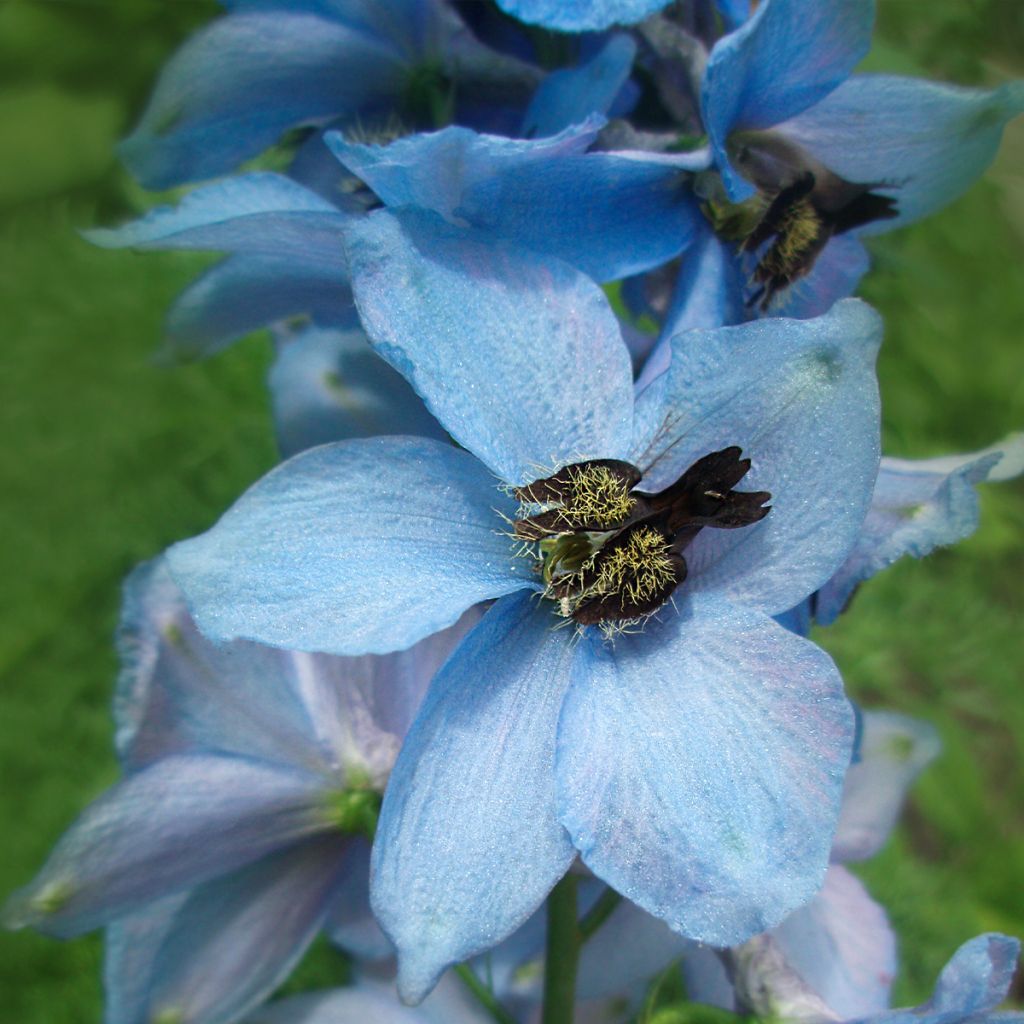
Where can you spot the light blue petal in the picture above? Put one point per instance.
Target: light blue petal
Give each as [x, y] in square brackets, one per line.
[359, 547]
[706, 979]
[926, 142]
[235, 86]
[894, 750]
[179, 693]
[609, 214]
[519, 356]
[329, 385]
[841, 945]
[130, 945]
[236, 939]
[700, 765]
[468, 845]
[260, 214]
[800, 398]
[568, 96]
[370, 1002]
[581, 15]
[629, 949]
[171, 826]
[977, 978]
[785, 58]
[916, 507]
[350, 922]
[243, 293]
[708, 293]
[433, 170]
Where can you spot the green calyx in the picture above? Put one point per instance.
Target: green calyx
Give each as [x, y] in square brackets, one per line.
[355, 809]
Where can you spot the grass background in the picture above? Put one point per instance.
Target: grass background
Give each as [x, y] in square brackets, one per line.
[109, 458]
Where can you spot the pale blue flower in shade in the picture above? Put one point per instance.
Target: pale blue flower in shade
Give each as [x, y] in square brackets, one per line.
[241, 828]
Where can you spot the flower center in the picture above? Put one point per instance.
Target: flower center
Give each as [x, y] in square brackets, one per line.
[800, 205]
[611, 555]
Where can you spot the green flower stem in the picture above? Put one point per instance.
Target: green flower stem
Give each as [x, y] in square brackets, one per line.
[599, 913]
[563, 952]
[484, 995]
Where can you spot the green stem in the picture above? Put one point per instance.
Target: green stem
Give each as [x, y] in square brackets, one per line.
[484, 995]
[562, 954]
[599, 913]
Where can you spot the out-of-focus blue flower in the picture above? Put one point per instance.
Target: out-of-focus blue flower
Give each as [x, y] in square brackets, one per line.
[270, 65]
[533, 744]
[241, 827]
[369, 1002]
[917, 506]
[830, 154]
[287, 258]
[581, 15]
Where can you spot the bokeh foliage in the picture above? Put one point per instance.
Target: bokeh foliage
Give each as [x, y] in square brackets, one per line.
[109, 458]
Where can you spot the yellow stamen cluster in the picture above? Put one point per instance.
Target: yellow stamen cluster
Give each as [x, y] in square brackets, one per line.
[640, 568]
[799, 230]
[595, 495]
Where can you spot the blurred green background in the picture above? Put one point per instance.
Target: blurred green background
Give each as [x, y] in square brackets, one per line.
[109, 458]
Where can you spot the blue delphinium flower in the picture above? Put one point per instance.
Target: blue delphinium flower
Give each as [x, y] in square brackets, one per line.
[271, 65]
[832, 156]
[684, 762]
[242, 826]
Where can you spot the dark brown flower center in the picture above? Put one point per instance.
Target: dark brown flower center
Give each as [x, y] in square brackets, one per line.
[611, 555]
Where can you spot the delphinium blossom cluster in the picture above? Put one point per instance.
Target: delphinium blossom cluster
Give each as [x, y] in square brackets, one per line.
[502, 678]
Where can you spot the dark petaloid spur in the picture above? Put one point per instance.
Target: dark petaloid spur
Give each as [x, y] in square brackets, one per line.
[610, 554]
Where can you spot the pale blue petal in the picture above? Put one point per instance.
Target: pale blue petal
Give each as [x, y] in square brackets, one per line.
[243, 293]
[926, 142]
[171, 826]
[329, 385]
[786, 57]
[918, 506]
[260, 214]
[236, 939]
[434, 170]
[350, 922]
[706, 979]
[835, 275]
[581, 15]
[235, 86]
[801, 399]
[700, 765]
[894, 750]
[358, 547]
[841, 945]
[708, 293]
[370, 1002]
[179, 693]
[468, 845]
[609, 214]
[130, 945]
[629, 949]
[519, 356]
[568, 96]
[977, 978]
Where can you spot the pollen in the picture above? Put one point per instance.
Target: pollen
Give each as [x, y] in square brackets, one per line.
[598, 496]
[639, 570]
[584, 496]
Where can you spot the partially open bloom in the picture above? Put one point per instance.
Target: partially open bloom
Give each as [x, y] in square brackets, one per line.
[696, 763]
